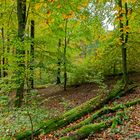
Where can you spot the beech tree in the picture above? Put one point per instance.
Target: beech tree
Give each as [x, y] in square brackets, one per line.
[123, 39]
[59, 63]
[32, 55]
[20, 51]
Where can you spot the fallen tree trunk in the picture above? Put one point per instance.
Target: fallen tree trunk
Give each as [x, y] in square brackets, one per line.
[86, 130]
[97, 114]
[77, 112]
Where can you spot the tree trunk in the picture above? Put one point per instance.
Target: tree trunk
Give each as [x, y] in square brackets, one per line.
[123, 42]
[8, 53]
[1, 52]
[124, 62]
[32, 55]
[59, 63]
[0, 68]
[65, 58]
[126, 40]
[20, 51]
[3, 58]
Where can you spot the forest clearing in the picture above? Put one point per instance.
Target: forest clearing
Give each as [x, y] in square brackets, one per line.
[69, 70]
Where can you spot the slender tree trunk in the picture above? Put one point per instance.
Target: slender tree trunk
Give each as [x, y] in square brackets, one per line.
[8, 53]
[124, 61]
[124, 53]
[32, 55]
[59, 63]
[0, 68]
[126, 40]
[20, 51]
[65, 59]
[3, 58]
[40, 75]
[114, 68]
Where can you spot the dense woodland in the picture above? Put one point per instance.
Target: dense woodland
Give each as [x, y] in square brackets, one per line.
[69, 69]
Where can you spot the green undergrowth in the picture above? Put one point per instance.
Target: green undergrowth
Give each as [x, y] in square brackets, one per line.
[17, 120]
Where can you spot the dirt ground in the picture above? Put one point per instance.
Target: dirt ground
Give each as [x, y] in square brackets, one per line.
[54, 97]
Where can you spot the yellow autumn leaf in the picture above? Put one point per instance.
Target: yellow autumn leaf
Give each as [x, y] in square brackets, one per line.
[85, 3]
[58, 6]
[64, 16]
[117, 8]
[79, 7]
[82, 17]
[126, 29]
[132, 1]
[48, 21]
[124, 1]
[37, 6]
[119, 18]
[122, 11]
[61, 26]
[76, 24]
[49, 12]
[52, 1]
[68, 16]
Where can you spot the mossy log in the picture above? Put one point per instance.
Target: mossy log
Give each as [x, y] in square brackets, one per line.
[86, 130]
[97, 114]
[77, 112]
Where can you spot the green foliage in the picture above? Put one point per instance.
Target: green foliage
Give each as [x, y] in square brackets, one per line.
[7, 85]
[119, 121]
[14, 120]
[85, 73]
[93, 52]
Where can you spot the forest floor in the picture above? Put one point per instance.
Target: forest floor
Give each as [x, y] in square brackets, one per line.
[52, 101]
[57, 99]
[130, 129]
